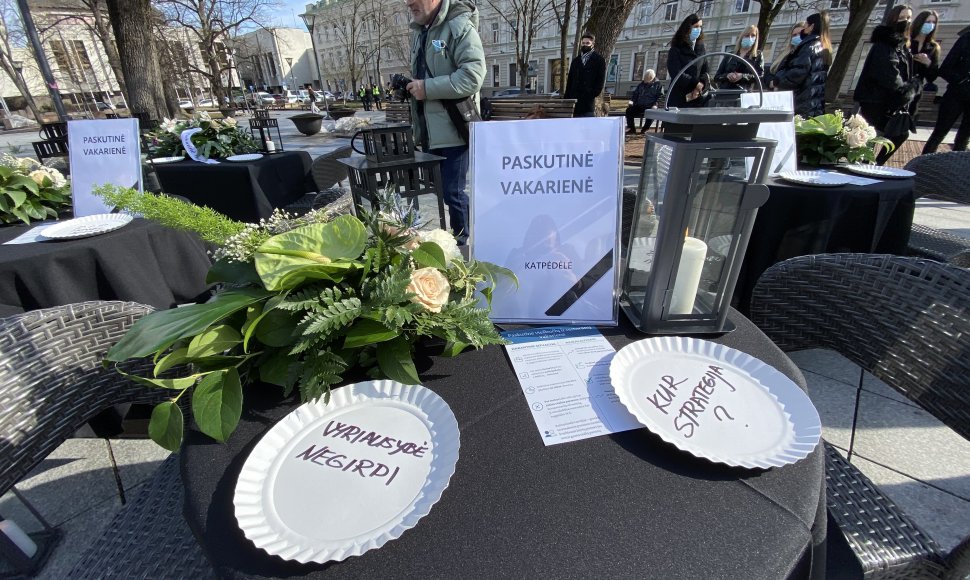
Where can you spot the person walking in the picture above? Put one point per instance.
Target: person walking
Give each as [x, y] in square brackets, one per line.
[646, 96]
[686, 45]
[733, 74]
[376, 94]
[926, 54]
[887, 85]
[447, 63]
[956, 100]
[587, 77]
[365, 97]
[805, 70]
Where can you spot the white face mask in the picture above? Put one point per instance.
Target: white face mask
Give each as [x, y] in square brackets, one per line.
[927, 28]
[747, 42]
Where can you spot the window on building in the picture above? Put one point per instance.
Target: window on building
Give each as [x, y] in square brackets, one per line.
[270, 65]
[838, 4]
[496, 72]
[662, 65]
[670, 11]
[81, 55]
[60, 56]
[644, 11]
[742, 5]
[706, 9]
[513, 80]
[495, 32]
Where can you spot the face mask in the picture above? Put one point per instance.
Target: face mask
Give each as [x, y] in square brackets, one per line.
[585, 49]
[747, 42]
[695, 33]
[927, 28]
[796, 40]
[901, 26]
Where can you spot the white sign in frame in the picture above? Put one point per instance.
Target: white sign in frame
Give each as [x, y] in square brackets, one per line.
[785, 157]
[102, 151]
[546, 205]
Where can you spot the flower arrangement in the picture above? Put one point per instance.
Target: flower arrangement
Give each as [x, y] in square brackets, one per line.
[303, 300]
[30, 191]
[828, 139]
[217, 139]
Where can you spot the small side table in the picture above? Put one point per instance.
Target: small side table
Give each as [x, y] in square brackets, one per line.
[410, 178]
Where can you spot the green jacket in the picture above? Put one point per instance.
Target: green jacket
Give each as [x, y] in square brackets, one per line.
[455, 71]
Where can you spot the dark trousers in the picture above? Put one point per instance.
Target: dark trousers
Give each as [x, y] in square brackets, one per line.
[877, 116]
[377, 103]
[951, 107]
[454, 173]
[633, 112]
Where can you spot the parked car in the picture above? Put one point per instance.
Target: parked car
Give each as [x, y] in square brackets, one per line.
[207, 103]
[512, 92]
[325, 95]
[240, 99]
[279, 100]
[262, 98]
[186, 104]
[103, 106]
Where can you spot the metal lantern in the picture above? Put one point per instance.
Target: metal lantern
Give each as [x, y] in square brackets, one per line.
[264, 125]
[390, 160]
[701, 185]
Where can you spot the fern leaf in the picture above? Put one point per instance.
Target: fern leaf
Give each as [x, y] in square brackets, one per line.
[320, 372]
[335, 316]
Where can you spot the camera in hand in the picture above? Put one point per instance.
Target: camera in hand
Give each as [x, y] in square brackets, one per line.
[399, 86]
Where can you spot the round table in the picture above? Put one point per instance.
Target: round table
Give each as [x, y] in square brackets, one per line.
[624, 505]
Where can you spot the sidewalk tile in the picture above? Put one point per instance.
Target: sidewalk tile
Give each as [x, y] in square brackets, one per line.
[80, 532]
[137, 460]
[876, 386]
[835, 403]
[827, 363]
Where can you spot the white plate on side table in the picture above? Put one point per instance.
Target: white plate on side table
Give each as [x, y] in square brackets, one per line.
[879, 172]
[159, 160]
[814, 178]
[331, 481]
[244, 157]
[86, 226]
[715, 402]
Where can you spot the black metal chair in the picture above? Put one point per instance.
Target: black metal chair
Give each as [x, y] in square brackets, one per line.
[941, 176]
[49, 148]
[54, 130]
[52, 382]
[907, 321]
[327, 173]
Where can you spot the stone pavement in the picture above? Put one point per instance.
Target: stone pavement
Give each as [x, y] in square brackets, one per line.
[921, 464]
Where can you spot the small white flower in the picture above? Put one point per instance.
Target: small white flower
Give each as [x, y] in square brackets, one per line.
[856, 121]
[445, 240]
[170, 125]
[229, 121]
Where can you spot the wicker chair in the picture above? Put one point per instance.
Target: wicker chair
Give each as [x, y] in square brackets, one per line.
[52, 382]
[327, 173]
[941, 176]
[907, 321]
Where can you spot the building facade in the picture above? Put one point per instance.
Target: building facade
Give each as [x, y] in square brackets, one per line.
[275, 59]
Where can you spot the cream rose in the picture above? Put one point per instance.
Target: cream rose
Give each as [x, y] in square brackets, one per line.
[231, 122]
[857, 137]
[430, 288]
[445, 241]
[856, 121]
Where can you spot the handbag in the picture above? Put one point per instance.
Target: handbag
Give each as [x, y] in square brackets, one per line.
[899, 124]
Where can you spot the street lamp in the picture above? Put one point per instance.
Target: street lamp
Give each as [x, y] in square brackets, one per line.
[309, 19]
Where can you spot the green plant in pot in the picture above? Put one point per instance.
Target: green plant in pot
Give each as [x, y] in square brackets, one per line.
[303, 300]
[30, 191]
[218, 138]
[829, 139]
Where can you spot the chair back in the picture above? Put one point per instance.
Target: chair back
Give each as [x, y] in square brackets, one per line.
[327, 171]
[54, 130]
[52, 380]
[48, 148]
[942, 175]
[905, 320]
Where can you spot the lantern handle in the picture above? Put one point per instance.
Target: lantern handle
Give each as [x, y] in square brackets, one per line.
[673, 83]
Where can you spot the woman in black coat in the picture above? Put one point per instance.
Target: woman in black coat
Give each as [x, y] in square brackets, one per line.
[804, 71]
[687, 44]
[926, 52]
[734, 74]
[886, 84]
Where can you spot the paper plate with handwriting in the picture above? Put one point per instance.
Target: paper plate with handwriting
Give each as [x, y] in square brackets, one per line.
[715, 402]
[330, 481]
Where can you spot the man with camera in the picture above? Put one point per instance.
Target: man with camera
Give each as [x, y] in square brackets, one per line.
[448, 66]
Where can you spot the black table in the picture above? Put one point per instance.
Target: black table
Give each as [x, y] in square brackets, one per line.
[799, 220]
[141, 262]
[620, 506]
[245, 191]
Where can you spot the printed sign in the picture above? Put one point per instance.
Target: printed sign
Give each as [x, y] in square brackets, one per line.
[102, 151]
[785, 157]
[545, 204]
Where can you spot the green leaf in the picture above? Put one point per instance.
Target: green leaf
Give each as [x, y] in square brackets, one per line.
[214, 340]
[235, 272]
[394, 360]
[176, 357]
[366, 331]
[177, 384]
[18, 196]
[431, 255]
[159, 330]
[217, 404]
[279, 369]
[275, 328]
[25, 182]
[335, 273]
[165, 427]
[320, 245]
[454, 348]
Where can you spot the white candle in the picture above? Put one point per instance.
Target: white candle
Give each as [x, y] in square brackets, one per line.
[18, 537]
[270, 146]
[688, 276]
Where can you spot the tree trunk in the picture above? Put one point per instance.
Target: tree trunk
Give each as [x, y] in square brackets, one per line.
[103, 31]
[580, 25]
[563, 37]
[859, 11]
[606, 21]
[18, 81]
[131, 22]
[767, 13]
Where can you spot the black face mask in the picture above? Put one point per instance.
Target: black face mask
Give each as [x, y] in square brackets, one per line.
[585, 49]
[901, 26]
[803, 35]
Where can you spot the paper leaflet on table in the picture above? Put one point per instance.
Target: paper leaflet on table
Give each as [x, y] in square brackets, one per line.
[564, 373]
[785, 157]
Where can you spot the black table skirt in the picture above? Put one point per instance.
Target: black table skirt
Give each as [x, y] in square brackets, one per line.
[141, 262]
[620, 506]
[246, 191]
[800, 220]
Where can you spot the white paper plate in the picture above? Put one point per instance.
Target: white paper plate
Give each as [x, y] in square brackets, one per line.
[735, 408]
[244, 157]
[814, 178]
[300, 506]
[879, 172]
[83, 227]
[167, 159]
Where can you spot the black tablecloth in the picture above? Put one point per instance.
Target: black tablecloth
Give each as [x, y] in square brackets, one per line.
[245, 191]
[619, 506]
[800, 220]
[141, 262]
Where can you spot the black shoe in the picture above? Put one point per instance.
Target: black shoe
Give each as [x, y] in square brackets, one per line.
[631, 131]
